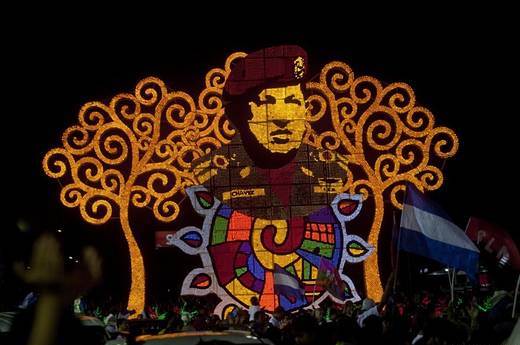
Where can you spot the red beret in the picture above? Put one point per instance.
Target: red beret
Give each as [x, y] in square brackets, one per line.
[269, 67]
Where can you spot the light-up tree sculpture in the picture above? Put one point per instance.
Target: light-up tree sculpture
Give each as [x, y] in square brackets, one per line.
[136, 151]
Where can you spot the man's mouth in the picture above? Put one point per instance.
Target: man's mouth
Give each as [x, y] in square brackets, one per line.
[280, 136]
[277, 140]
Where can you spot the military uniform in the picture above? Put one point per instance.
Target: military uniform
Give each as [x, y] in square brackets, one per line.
[307, 183]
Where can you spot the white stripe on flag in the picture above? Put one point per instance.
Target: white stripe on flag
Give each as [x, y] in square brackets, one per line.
[435, 227]
[284, 279]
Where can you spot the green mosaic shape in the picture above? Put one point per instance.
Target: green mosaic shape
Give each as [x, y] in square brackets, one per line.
[218, 235]
[326, 249]
[291, 270]
[306, 270]
[239, 271]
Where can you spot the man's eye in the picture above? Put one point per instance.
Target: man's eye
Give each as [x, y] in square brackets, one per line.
[268, 100]
[291, 99]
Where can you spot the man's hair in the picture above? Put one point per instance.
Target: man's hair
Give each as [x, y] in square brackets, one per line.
[254, 300]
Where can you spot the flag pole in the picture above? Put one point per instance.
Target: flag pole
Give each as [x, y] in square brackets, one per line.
[467, 225]
[454, 278]
[451, 276]
[451, 280]
[314, 289]
[516, 296]
[399, 243]
[466, 232]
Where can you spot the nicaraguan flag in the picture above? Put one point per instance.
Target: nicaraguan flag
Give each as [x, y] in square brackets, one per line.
[427, 230]
[287, 285]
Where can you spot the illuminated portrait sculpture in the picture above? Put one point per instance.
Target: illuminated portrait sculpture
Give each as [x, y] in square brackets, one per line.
[269, 198]
[283, 166]
[267, 170]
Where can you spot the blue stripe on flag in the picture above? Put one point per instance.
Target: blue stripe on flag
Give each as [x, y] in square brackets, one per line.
[288, 291]
[288, 285]
[417, 199]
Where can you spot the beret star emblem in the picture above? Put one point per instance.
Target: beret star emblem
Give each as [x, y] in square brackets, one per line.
[299, 67]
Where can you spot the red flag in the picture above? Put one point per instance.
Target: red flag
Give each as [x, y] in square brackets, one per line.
[494, 240]
[329, 277]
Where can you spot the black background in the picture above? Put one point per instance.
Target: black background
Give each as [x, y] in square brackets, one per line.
[462, 64]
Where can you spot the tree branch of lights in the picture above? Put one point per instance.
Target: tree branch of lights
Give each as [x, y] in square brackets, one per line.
[136, 151]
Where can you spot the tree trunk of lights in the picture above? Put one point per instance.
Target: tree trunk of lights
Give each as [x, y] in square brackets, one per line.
[136, 297]
[373, 285]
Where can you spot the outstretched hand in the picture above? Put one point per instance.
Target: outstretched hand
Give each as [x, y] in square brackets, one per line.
[58, 288]
[47, 270]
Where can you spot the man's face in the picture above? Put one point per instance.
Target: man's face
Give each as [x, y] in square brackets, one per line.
[278, 121]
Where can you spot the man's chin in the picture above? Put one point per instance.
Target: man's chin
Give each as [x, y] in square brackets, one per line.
[281, 150]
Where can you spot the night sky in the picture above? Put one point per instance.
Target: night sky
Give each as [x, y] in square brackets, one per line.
[461, 69]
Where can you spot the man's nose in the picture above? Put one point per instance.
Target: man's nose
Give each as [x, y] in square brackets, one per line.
[281, 123]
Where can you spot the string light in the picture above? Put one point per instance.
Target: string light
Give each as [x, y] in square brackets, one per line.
[137, 150]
